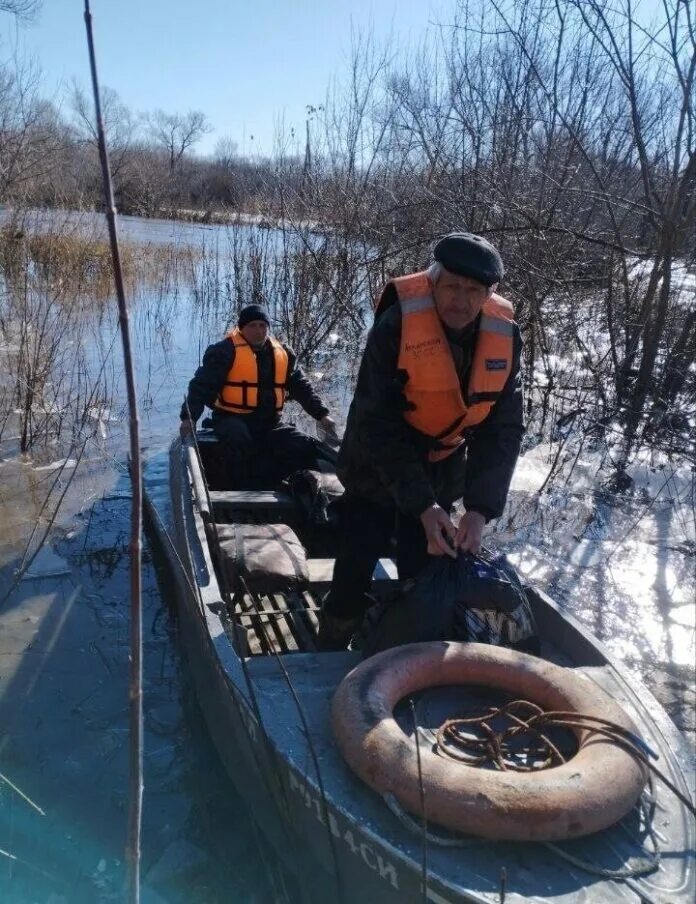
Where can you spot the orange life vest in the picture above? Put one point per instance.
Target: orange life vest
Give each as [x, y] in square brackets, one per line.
[438, 408]
[240, 391]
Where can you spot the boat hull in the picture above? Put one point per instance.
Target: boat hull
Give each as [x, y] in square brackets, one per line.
[268, 717]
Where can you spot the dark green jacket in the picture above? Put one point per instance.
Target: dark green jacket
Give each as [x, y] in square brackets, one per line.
[384, 459]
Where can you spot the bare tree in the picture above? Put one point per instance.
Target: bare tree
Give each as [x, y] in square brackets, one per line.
[564, 130]
[226, 152]
[31, 133]
[614, 99]
[177, 133]
[23, 9]
[120, 125]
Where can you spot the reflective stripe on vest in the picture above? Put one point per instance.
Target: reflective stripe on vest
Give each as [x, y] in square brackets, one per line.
[240, 392]
[437, 407]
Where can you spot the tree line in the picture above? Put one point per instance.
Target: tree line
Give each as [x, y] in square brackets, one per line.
[563, 130]
[49, 156]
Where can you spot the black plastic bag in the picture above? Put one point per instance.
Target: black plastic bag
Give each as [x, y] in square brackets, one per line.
[315, 494]
[470, 598]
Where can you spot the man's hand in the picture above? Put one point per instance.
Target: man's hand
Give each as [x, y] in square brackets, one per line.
[326, 431]
[186, 428]
[470, 531]
[439, 531]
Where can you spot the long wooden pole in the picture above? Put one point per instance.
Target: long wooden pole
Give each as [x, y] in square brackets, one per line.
[136, 625]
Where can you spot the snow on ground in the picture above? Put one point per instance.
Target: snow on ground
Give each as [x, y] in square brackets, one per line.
[624, 564]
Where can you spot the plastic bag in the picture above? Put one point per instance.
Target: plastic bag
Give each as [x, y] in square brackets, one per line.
[470, 598]
[315, 492]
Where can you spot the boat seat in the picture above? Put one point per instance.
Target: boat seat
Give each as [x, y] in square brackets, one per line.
[261, 558]
[321, 571]
[250, 505]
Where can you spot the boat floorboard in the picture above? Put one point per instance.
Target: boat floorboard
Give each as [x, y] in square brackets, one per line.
[279, 622]
[288, 622]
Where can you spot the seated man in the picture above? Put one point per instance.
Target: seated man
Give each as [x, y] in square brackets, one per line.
[246, 379]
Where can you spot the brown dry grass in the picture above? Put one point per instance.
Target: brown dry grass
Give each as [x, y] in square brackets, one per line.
[82, 264]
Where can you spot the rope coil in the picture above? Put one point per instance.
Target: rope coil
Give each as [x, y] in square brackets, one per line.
[524, 746]
[501, 748]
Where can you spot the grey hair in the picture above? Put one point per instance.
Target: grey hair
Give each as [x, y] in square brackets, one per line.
[435, 272]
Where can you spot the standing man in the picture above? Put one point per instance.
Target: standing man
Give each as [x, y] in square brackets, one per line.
[246, 379]
[436, 416]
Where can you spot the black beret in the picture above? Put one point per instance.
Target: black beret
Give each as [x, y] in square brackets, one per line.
[470, 255]
[253, 312]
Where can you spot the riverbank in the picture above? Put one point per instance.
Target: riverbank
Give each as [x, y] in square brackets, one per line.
[624, 564]
[199, 217]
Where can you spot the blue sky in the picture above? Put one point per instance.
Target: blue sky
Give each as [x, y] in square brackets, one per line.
[244, 63]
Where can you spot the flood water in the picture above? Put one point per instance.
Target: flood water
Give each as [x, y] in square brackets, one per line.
[64, 650]
[64, 627]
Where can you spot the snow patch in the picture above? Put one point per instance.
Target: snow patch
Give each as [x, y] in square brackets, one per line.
[55, 465]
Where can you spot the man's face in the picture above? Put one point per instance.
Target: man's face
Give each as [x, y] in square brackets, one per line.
[459, 299]
[255, 332]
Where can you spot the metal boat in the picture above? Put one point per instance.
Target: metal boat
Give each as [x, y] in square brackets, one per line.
[266, 692]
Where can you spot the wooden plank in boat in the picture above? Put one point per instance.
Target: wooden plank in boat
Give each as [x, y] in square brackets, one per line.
[259, 635]
[296, 620]
[268, 628]
[321, 570]
[282, 623]
[311, 609]
[274, 626]
[254, 645]
[253, 499]
[250, 642]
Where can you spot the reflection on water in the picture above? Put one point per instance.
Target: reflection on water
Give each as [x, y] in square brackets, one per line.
[133, 229]
[63, 693]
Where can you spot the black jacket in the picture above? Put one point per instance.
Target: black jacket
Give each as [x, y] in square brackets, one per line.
[209, 378]
[383, 458]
